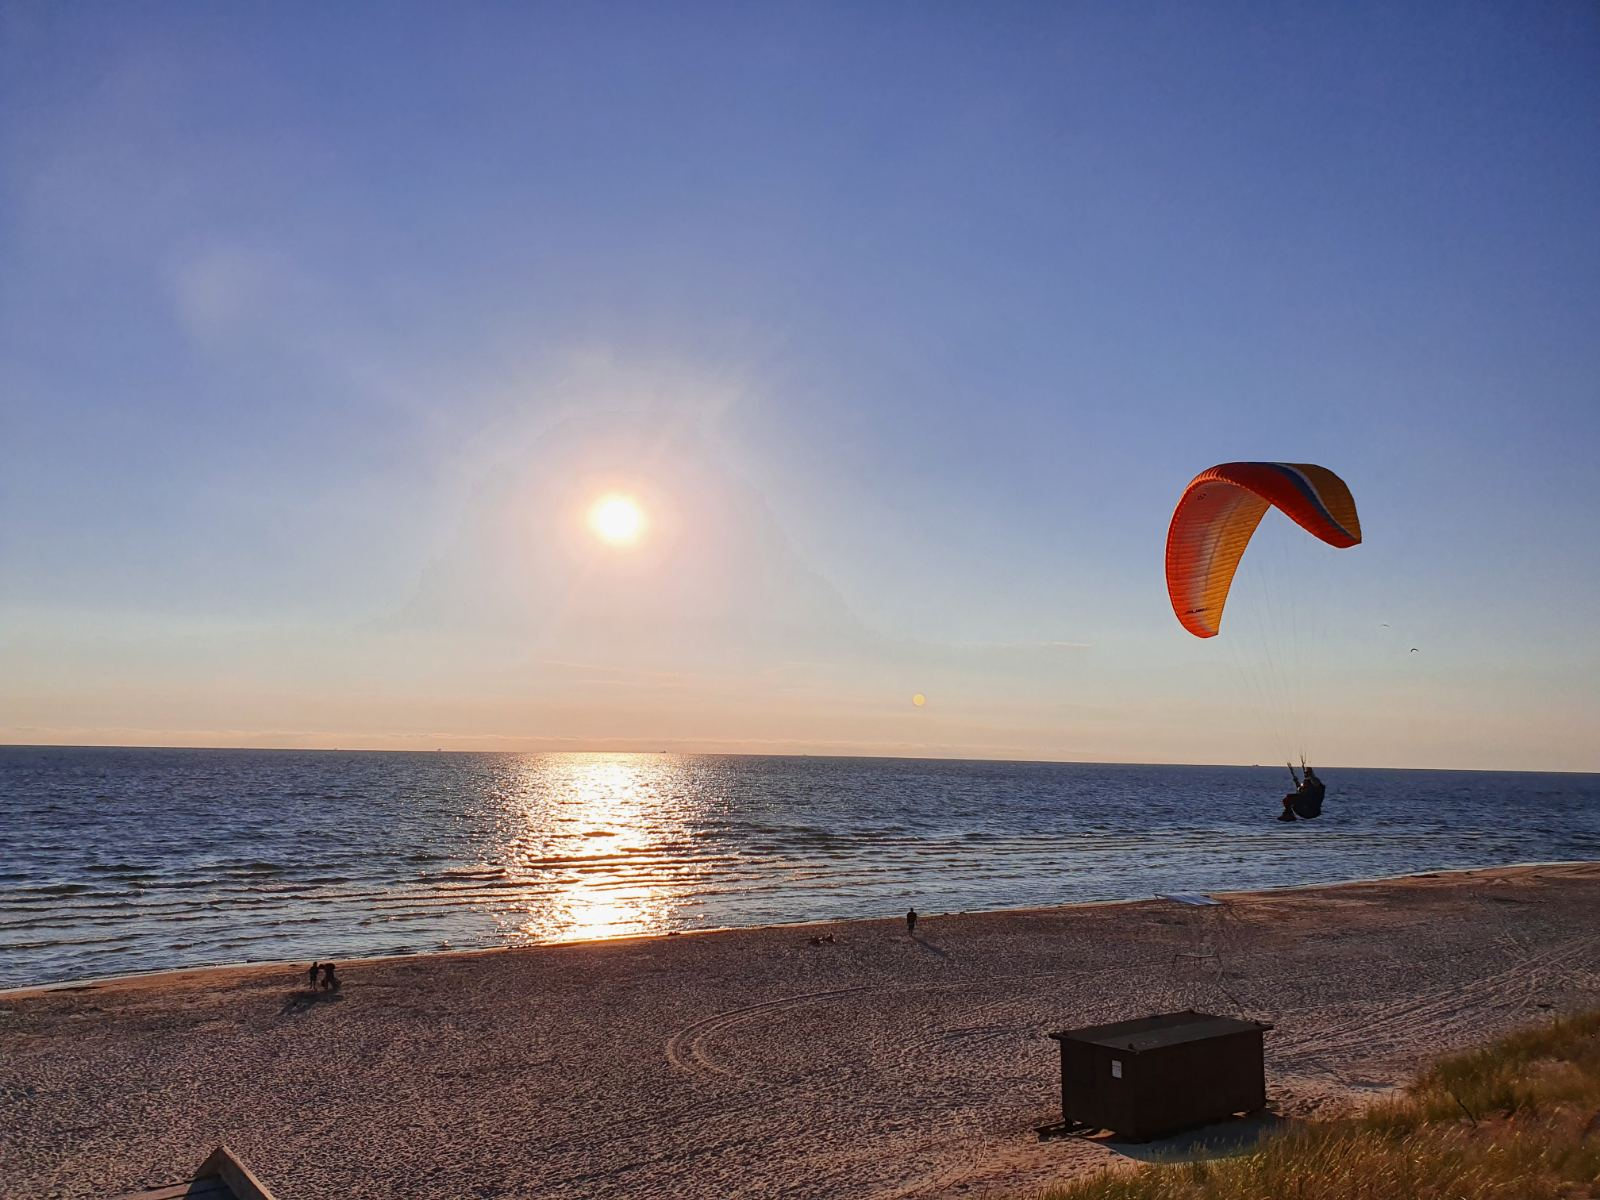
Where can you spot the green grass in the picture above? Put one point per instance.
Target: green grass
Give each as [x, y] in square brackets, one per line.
[1516, 1120]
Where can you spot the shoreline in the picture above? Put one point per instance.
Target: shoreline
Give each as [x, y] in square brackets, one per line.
[246, 967]
[751, 1062]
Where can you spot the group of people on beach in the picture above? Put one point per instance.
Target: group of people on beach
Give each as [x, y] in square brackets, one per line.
[330, 981]
[826, 939]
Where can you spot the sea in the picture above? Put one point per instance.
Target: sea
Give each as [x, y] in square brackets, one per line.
[115, 861]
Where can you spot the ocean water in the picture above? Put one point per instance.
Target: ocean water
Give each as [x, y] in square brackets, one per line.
[123, 860]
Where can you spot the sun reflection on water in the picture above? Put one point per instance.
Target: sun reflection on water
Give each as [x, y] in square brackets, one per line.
[597, 837]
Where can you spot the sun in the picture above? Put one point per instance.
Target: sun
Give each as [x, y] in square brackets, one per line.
[616, 519]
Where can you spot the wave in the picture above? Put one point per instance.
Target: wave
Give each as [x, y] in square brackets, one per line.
[61, 889]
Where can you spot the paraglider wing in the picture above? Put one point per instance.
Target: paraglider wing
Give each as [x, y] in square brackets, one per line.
[1217, 515]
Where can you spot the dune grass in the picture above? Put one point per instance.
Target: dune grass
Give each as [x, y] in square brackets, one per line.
[1517, 1119]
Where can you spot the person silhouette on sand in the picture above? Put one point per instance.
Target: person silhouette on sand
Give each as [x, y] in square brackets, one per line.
[330, 982]
[311, 975]
[911, 921]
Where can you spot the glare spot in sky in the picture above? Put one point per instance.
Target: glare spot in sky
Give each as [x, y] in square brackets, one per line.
[616, 519]
[919, 699]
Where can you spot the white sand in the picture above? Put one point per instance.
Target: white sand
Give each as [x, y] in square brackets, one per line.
[752, 1064]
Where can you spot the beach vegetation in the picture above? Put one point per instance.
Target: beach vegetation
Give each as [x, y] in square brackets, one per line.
[1517, 1118]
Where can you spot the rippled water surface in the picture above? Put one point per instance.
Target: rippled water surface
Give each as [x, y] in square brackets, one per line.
[126, 860]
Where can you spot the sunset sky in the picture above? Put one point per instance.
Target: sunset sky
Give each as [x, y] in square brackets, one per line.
[323, 331]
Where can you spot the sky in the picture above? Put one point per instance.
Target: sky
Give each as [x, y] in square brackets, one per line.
[321, 328]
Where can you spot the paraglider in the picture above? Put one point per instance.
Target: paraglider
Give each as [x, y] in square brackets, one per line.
[1218, 514]
[1216, 517]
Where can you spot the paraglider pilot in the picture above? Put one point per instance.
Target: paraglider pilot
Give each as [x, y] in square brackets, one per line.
[1306, 799]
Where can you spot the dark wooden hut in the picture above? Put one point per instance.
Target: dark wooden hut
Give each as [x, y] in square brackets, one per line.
[1152, 1076]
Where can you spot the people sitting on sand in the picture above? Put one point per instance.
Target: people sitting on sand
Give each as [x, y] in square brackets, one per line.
[330, 982]
[822, 939]
[911, 921]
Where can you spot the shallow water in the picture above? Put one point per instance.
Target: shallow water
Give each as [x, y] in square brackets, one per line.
[119, 860]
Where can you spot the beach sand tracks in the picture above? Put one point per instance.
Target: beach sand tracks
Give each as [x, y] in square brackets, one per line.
[688, 1051]
[693, 1050]
[1435, 1017]
[931, 1034]
[957, 1034]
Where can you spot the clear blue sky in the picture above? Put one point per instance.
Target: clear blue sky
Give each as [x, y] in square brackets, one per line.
[906, 324]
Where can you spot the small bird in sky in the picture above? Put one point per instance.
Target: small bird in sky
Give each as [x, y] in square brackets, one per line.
[1413, 649]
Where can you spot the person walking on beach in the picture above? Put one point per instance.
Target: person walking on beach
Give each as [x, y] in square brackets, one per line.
[911, 922]
[329, 982]
[311, 976]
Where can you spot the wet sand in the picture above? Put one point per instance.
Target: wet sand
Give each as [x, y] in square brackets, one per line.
[750, 1063]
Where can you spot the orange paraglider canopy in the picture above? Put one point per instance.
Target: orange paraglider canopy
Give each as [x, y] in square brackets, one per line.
[1217, 515]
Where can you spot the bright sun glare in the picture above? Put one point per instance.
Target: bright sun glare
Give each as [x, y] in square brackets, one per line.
[616, 519]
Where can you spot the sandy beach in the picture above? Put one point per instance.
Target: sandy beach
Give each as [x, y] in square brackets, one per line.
[753, 1063]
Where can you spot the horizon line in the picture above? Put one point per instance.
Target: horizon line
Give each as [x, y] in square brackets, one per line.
[1079, 762]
